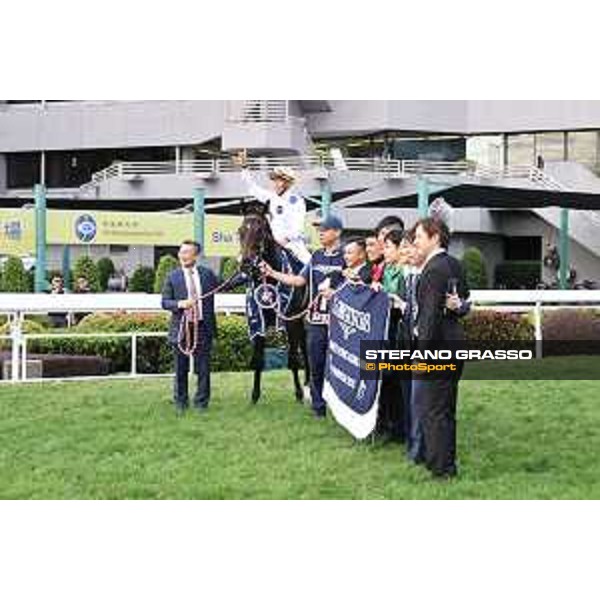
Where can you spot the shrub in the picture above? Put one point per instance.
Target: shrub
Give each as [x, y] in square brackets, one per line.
[14, 277]
[475, 271]
[142, 280]
[29, 326]
[571, 332]
[232, 349]
[489, 325]
[152, 352]
[229, 266]
[166, 264]
[85, 267]
[106, 268]
[518, 274]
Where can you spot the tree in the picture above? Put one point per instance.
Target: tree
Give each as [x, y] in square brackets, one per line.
[166, 264]
[14, 277]
[142, 280]
[86, 267]
[106, 269]
[475, 270]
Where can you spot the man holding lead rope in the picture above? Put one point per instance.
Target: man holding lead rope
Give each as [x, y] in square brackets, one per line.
[189, 295]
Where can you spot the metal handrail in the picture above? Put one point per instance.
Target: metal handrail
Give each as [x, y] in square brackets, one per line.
[384, 166]
[518, 172]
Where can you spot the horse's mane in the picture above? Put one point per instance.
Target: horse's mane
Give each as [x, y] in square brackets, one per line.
[257, 232]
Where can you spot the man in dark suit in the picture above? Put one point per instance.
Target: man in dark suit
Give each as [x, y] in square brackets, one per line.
[187, 295]
[436, 327]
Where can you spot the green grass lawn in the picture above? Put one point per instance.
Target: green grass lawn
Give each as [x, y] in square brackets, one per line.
[517, 439]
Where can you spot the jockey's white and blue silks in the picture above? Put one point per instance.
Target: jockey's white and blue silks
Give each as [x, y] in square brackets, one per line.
[357, 314]
[287, 216]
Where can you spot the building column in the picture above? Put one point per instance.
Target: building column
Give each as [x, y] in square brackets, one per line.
[66, 266]
[423, 197]
[199, 216]
[39, 193]
[564, 249]
[325, 198]
[3, 173]
[43, 168]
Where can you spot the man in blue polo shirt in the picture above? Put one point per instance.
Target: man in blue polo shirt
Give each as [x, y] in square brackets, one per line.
[322, 274]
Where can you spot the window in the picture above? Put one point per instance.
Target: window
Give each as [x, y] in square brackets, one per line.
[23, 169]
[520, 150]
[523, 248]
[550, 146]
[583, 147]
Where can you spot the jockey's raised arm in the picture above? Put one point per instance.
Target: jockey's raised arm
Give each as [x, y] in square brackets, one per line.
[287, 209]
[256, 191]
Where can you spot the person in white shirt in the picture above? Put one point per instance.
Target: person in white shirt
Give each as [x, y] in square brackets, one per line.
[286, 206]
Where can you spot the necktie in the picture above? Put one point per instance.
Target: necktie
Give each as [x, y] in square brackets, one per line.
[193, 288]
[195, 295]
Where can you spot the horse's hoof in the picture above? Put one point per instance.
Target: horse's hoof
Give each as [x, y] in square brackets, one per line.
[307, 397]
[254, 399]
[300, 395]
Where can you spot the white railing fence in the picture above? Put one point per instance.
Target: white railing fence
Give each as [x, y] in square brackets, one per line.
[18, 306]
[392, 168]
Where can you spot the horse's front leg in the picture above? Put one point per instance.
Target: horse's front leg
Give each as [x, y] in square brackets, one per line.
[258, 364]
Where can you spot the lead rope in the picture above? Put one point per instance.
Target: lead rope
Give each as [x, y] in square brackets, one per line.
[189, 332]
[316, 299]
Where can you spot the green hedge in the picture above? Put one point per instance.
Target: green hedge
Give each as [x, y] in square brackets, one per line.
[232, 350]
[30, 325]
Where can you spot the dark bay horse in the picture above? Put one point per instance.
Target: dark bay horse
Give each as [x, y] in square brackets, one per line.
[258, 245]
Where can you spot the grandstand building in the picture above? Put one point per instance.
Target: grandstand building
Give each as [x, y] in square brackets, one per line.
[505, 166]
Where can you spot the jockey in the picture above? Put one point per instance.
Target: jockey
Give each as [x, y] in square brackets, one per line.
[287, 209]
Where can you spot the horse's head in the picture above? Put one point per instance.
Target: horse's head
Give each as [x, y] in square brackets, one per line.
[256, 239]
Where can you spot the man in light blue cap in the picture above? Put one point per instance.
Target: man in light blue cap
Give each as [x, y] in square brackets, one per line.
[322, 274]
